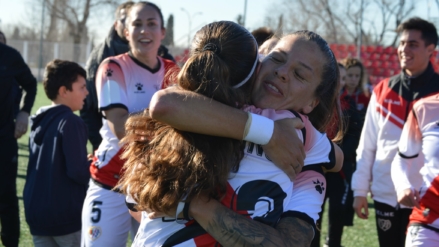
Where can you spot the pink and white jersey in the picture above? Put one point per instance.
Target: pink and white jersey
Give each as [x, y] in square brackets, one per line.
[123, 82]
[420, 136]
[259, 190]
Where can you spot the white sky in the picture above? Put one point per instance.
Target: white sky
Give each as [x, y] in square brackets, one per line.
[201, 12]
[13, 11]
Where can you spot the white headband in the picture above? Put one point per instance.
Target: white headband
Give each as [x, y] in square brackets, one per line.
[250, 74]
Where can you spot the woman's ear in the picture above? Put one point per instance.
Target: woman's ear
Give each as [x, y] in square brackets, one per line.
[309, 107]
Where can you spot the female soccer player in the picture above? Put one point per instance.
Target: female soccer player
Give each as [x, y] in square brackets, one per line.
[125, 84]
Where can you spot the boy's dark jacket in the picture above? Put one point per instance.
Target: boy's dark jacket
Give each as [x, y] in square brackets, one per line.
[57, 173]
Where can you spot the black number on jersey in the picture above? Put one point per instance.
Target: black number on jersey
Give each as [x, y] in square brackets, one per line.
[259, 150]
[96, 210]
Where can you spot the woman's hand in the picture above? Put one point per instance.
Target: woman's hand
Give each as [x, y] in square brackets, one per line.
[285, 148]
[21, 124]
[361, 207]
[409, 197]
[90, 157]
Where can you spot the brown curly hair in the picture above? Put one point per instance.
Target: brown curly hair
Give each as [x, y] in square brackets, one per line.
[173, 165]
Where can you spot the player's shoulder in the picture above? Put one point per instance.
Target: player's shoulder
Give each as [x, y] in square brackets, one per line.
[111, 66]
[12, 54]
[8, 49]
[115, 60]
[427, 105]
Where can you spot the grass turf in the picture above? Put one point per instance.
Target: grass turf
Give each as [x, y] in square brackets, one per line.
[362, 234]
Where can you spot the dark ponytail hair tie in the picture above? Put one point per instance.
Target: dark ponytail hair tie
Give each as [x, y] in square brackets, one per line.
[211, 47]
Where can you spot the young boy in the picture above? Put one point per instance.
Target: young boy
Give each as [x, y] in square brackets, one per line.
[57, 173]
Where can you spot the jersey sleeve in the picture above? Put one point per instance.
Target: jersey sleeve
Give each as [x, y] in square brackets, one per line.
[410, 145]
[318, 148]
[307, 197]
[111, 86]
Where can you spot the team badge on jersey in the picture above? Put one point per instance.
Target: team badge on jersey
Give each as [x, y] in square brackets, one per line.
[139, 88]
[94, 232]
[109, 72]
[384, 224]
[319, 186]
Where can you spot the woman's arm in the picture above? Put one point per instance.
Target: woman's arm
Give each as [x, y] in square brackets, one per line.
[295, 228]
[409, 147]
[193, 112]
[116, 118]
[339, 157]
[189, 111]
[231, 229]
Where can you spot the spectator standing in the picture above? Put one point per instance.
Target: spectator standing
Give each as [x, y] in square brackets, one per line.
[57, 172]
[354, 100]
[391, 102]
[14, 73]
[115, 44]
[125, 84]
[339, 193]
[356, 88]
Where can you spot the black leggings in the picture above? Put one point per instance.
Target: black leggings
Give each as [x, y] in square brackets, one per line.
[391, 224]
[9, 214]
[340, 211]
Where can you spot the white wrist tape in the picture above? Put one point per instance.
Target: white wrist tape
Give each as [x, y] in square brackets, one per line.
[260, 131]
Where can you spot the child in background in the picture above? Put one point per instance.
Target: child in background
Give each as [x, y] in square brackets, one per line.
[57, 172]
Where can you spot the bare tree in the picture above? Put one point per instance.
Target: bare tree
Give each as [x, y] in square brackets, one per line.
[52, 33]
[339, 21]
[75, 14]
[321, 9]
[403, 10]
[169, 38]
[20, 32]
